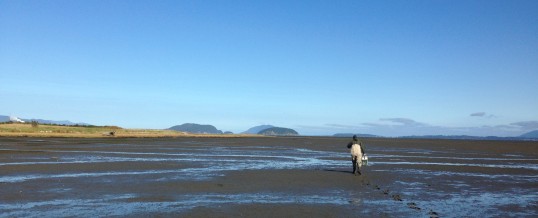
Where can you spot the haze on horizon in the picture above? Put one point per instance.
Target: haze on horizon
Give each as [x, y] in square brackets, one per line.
[389, 68]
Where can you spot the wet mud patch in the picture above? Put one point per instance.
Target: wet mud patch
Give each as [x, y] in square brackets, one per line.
[303, 177]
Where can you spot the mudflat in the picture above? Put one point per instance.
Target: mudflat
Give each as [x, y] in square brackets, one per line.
[266, 177]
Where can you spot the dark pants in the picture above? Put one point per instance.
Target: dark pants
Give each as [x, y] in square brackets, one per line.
[354, 161]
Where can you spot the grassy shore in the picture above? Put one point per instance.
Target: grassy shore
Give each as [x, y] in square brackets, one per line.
[41, 130]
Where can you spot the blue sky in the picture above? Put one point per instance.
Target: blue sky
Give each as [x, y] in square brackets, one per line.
[388, 68]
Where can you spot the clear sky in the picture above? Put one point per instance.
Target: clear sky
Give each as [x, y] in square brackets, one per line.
[388, 68]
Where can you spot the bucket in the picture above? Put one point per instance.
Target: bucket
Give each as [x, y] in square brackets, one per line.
[364, 160]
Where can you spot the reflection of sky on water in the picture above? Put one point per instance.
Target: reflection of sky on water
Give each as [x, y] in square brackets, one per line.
[483, 204]
[203, 162]
[126, 204]
[211, 162]
[510, 166]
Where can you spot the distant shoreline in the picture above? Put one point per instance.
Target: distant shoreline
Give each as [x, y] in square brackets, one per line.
[79, 131]
[59, 131]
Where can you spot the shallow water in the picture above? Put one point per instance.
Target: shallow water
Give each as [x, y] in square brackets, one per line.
[121, 205]
[456, 192]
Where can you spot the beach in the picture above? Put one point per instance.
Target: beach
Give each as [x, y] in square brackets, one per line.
[266, 177]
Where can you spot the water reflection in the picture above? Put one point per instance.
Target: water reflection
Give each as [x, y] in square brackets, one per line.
[205, 162]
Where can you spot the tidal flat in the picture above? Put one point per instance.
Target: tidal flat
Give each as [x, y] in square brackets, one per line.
[266, 177]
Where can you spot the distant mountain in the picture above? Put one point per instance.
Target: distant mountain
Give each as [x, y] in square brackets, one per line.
[42, 121]
[278, 131]
[464, 137]
[61, 122]
[531, 135]
[527, 136]
[349, 135]
[196, 128]
[257, 129]
[4, 118]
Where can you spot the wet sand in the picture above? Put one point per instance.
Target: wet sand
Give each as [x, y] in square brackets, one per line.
[266, 177]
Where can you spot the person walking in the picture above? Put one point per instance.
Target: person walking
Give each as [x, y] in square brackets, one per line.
[357, 151]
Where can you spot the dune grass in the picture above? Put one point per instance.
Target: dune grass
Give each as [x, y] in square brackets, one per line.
[41, 130]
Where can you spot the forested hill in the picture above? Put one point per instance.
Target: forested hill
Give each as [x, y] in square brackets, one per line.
[196, 128]
[279, 131]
